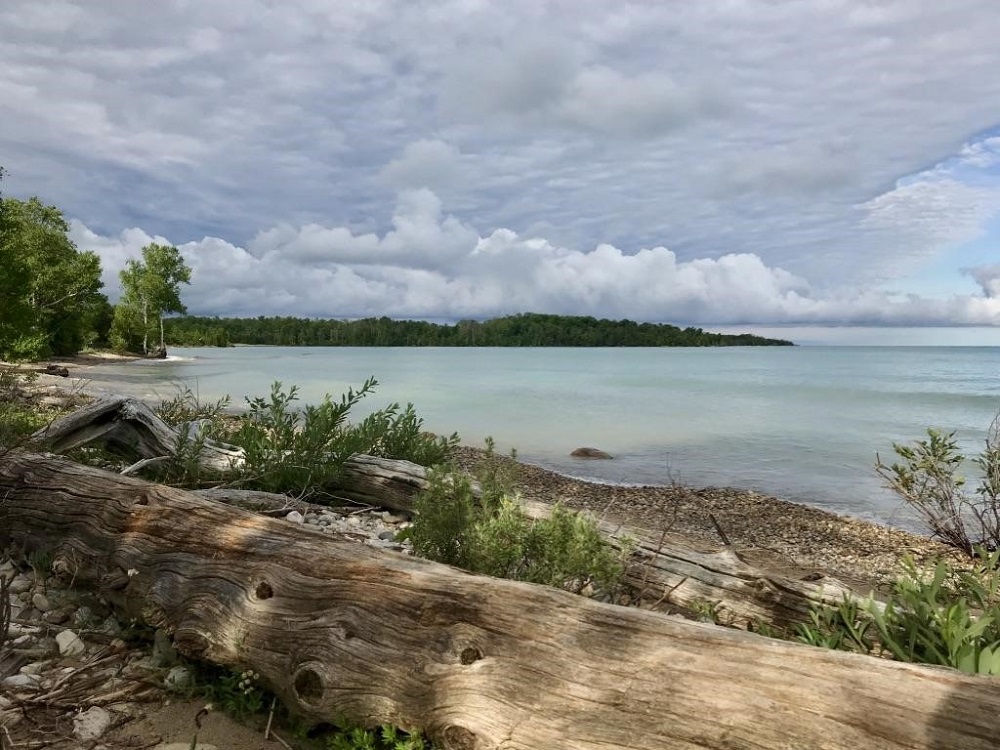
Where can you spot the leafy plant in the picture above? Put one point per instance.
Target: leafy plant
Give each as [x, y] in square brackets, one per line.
[238, 694]
[384, 738]
[488, 532]
[927, 479]
[299, 451]
[949, 617]
[396, 433]
[186, 406]
[20, 417]
[303, 451]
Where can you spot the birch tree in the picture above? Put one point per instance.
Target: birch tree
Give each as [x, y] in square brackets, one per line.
[150, 290]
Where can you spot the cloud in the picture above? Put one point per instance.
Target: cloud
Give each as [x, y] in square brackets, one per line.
[847, 144]
[430, 164]
[431, 265]
[988, 278]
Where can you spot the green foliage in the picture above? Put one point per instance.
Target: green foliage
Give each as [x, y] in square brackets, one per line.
[150, 289]
[488, 533]
[186, 406]
[384, 738]
[239, 695]
[529, 329]
[949, 617]
[19, 416]
[394, 433]
[927, 479]
[50, 290]
[298, 451]
[303, 451]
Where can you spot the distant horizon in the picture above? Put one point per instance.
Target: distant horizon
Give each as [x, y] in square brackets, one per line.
[938, 336]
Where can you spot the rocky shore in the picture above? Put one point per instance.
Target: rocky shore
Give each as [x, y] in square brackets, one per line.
[776, 533]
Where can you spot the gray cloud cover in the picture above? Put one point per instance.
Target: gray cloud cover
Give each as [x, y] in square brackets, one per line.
[449, 159]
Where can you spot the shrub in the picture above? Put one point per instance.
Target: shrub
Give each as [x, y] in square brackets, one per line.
[487, 532]
[395, 433]
[949, 617]
[303, 451]
[927, 479]
[186, 406]
[20, 417]
[383, 738]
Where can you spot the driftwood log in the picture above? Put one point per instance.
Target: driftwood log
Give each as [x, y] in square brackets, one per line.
[344, 630]
[665, 570]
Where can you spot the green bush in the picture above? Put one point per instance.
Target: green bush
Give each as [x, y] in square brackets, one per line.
[487, 532]
[383, 738]
[20, 417]
[395, 433]
[293, 449]
[950, 617]
[927, 479]
[186, 406]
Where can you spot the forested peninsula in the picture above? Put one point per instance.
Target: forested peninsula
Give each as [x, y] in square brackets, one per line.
[528, 329]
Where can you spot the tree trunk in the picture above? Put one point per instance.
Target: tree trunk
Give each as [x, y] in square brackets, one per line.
[145, 327]
[668, 571]
[341, 630]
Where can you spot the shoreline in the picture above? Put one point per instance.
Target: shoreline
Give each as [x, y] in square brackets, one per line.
[789, 536]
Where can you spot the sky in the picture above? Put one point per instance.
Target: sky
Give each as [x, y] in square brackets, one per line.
[741, 163]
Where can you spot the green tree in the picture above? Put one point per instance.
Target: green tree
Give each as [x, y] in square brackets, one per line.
[150, 290]
[50, 290]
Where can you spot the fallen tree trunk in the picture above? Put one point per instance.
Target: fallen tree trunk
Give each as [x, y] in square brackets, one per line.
[342, 630]
[664, 571]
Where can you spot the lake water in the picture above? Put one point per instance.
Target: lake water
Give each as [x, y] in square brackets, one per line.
[802, 423]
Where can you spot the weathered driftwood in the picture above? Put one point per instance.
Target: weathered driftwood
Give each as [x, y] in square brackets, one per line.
[344, 630]
[130, 427]
[665, 570]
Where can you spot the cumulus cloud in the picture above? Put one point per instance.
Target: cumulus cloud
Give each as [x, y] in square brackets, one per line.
[988, 278]
[430, 265]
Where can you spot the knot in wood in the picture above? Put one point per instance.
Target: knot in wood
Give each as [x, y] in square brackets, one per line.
[459, 738]
[308, 685]
[470, 654]
[263, 590]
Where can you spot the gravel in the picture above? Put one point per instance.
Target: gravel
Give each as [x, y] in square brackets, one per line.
[854, 550]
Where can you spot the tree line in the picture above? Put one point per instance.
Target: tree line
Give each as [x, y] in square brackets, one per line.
[51, 302]
[527, 329]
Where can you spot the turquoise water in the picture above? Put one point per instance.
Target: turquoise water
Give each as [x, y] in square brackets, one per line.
[801, 423]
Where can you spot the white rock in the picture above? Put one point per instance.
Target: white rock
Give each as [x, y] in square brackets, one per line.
[91, 724]
[41, 602]
[35, 668]
[178, 678]
[295, 517]
[16, 629]
[70, 643]
[20, 681]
